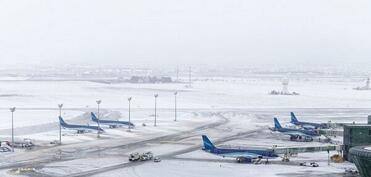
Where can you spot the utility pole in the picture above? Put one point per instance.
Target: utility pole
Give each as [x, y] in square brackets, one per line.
[12, 110]
[98, 103]
[328, 154]
[156, 95]
[60, 127]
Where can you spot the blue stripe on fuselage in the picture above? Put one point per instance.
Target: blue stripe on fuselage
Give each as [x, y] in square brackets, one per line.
[110, 122]
[264, 153]
[307, 132]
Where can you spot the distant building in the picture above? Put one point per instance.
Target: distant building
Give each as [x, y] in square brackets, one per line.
[150, 79]
[285, 90]
[366, 87]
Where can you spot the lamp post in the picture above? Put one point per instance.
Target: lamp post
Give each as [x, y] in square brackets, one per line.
[12, 110]
[328, 156]
[98, 103]
[175, 108]
[60, 127]
[156, 95]
[129, 99]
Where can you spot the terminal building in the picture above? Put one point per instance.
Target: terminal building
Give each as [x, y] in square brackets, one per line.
[361, 156]
[356, 135]
[357, 146]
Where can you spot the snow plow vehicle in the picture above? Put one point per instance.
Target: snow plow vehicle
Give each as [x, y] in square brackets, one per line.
[146, 156]
[140, 157]
[134, 157]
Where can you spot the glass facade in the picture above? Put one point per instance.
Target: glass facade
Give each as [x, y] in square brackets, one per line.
[356, 135]
[361, 156]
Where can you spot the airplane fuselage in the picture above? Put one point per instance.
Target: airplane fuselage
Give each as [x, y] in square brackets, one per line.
[111, 123]
[114, 123]
[266, 153]
[79, 128]
[305, 132]
[309, 124]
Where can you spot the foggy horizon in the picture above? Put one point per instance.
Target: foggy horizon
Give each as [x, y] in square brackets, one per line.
[142, 33]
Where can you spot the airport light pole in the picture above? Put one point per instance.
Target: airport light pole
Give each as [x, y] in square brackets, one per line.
[12, 110]
[129, 99]
[328, 156]
[156, 95]
[98, 103]
[60, 127]
[175, 108]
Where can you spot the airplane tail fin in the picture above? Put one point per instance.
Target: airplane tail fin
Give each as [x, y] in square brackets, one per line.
[293, 118]
[208, 145]
[61, 121]
[277, 123]
[93, 117]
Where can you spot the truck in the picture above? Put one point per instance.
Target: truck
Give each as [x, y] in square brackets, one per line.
[140, 157]
[146, 156]
[134, 157]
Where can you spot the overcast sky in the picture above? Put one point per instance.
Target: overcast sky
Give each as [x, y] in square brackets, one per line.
[171, 32]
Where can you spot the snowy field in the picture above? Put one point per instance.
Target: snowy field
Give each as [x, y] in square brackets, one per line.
[218, 93]
[232, 111]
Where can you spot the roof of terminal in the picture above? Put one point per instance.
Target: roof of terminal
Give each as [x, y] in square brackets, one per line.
[357, 125]
[364, 151]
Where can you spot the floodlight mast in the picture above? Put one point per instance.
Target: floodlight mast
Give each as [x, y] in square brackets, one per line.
[12, 110]
[60, 106]
[155, 124]
[98, 103]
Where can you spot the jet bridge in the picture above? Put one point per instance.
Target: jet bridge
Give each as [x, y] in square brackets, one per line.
[307, 149]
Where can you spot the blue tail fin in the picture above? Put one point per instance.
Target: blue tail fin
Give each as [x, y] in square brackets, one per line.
[61, 121]
[93, 117]
[293, 118]
[208, 145]
[277, 123]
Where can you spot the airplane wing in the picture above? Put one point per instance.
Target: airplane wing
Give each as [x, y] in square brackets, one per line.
[241, 154]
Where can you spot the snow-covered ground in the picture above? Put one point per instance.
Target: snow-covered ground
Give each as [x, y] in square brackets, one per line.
[233, 111]
[199, 168]
[227, 93]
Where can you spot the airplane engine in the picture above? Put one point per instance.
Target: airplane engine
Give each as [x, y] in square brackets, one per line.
[243, 160]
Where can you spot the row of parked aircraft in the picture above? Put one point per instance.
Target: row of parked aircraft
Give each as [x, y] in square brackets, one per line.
[87, 128]
[308, 131]
[307, 125]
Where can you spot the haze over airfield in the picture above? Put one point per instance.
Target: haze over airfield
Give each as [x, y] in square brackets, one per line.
[193, 32]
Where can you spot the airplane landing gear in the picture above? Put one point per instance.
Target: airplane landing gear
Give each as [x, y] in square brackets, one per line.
[80, 131]
[301, 138]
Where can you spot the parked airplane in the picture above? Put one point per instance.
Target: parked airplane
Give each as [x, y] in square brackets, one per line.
[111, 123]
[241, 154]
[79, 128]
[307, 125]
[295, 134]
